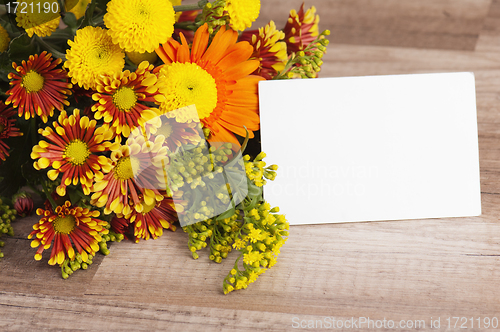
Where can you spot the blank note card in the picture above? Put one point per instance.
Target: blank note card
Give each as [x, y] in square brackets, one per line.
[372, 148]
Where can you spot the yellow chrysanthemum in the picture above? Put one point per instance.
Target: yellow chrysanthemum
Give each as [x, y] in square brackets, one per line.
[34, 18]
[4, 39]
[242, 13]
[77, 7]
[186, 84]
[92, 54]
[140, 25]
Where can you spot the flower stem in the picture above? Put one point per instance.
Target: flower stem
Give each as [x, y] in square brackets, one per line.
[194, 6]
[49, 196]
[38, 192]
[51, 49]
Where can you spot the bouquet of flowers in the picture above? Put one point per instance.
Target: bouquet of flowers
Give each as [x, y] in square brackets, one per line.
[133, 116]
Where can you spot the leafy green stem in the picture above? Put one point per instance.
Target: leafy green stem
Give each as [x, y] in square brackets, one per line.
[49, 196]
[194, 6]
[51, 49]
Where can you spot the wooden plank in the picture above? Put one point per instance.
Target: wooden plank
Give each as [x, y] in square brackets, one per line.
[344, 268]
[20, 272]
[54, 313]
[434, 24]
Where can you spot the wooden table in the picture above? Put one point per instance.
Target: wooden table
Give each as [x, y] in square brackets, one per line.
[412, 270]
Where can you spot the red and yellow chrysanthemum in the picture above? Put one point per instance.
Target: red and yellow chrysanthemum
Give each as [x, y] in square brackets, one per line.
[153, 219]
[7, 129]
[177, 134]
[69, 228]
[301, 29]
[73, 151]
[216, 79]
[38, 87]
[137, 171]
[269, 48]
[122, 96]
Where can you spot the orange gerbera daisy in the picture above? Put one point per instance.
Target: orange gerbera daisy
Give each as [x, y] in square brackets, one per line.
[121, 98]
[75, 142]
[7, 128]
[301, 29]
[153, 219]
[216, 79]
[269, 48]
[137, 171]
[70, 228]
[39, 87]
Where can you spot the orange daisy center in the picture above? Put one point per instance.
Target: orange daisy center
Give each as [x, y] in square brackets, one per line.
[33, 81]
[77, 152]
[64, 225]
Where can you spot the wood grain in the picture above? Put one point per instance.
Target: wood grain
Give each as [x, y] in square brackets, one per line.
[410, 270]
[435, 24]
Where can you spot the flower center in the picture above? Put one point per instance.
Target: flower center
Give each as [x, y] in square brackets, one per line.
[125, 168]
[64, 225]
[98, 57]
[143, 11]
[124, 98]
[77, 152]
[32, 81]
[165, 130]
[188, 84]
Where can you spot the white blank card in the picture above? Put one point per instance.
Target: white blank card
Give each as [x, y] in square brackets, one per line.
[372, 148]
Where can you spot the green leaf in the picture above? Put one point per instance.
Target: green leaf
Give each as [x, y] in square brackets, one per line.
[89, 14]
[22, 47]
[10, 170]
[226, 214]
[70, 20]
[5, 67]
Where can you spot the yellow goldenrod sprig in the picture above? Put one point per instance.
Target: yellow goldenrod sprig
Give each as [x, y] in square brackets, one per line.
[213, 14]
[256, 170]
[306, 63]
[7, 215]
[69, 266]
[259, 241]
[253, 228]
